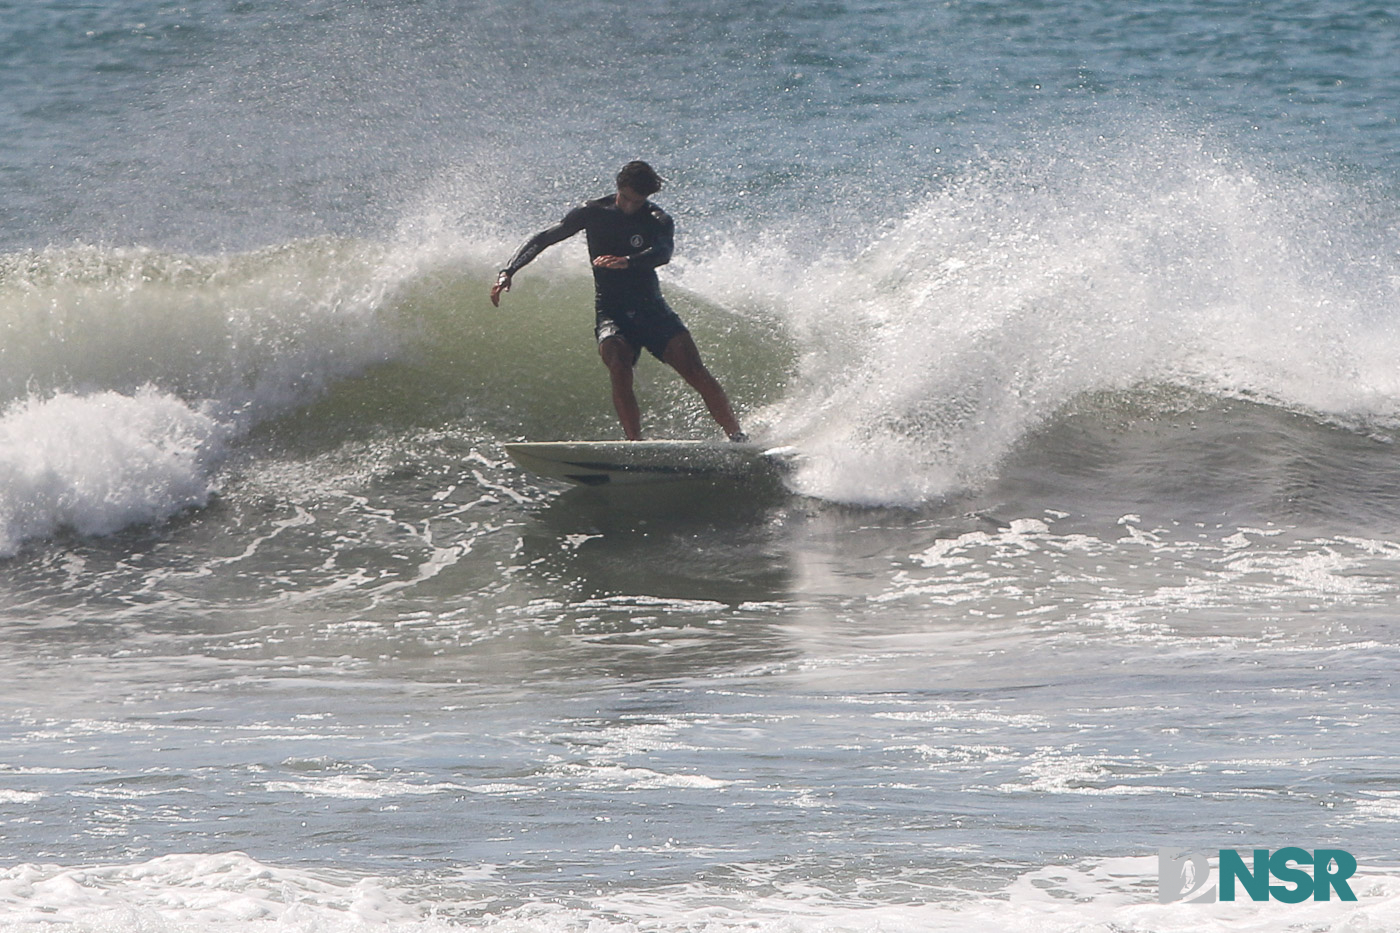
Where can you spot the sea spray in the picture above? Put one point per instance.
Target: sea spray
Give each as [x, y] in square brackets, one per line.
[248, 332]
[996, 302]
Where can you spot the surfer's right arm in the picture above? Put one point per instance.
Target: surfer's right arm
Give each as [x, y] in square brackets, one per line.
[572, 223]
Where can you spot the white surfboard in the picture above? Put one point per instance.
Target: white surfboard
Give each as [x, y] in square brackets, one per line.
[602, 463]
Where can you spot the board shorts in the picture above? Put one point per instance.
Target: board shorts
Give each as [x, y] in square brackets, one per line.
[650, 325]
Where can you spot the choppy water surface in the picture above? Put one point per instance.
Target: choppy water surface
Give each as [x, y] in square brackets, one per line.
[1080, 317]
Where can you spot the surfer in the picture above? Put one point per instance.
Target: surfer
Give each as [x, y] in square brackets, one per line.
[628, 237]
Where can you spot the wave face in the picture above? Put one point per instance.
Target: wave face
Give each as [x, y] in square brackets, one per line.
[129, 377]
[126, 374]
[905, 374]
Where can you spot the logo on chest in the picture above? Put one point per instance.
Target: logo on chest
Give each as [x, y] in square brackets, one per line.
[636, 240]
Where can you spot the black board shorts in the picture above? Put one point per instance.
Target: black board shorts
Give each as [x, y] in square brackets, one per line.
[651, 325]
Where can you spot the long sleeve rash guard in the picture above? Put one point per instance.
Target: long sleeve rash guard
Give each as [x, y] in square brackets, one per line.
[646, 238]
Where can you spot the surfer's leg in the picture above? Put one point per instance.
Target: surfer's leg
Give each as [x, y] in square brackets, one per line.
[684, 357]
[619, 356]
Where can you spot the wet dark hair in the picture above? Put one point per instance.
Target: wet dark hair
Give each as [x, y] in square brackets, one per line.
[640, 177]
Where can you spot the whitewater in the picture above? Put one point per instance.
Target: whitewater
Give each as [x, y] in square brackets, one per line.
[1081, 320]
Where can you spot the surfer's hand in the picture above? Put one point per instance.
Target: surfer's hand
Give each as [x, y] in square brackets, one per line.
[502, 285]
[611, 262]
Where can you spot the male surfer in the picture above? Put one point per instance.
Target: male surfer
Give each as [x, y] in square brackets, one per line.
[628, 237]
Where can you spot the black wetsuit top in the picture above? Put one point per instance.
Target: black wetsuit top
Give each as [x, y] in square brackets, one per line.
[646, 238]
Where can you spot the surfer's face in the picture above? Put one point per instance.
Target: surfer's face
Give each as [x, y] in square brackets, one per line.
[629, 201]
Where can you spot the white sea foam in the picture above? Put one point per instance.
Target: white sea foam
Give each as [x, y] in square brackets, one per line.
[612, 776]
[232, 891]
[97, 463]
[196, 892]
[359, 788]
[1150, 258]
[1023, 570]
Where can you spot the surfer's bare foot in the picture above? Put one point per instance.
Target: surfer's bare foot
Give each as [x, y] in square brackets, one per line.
[739, 437]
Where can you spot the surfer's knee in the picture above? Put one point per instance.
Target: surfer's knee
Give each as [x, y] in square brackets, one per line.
[684, 357]
[617, 355]
[693, 371]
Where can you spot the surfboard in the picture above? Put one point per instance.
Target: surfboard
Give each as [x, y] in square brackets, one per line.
[604, 463]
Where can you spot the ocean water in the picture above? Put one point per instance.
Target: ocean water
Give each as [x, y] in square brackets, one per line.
[1083, 319]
